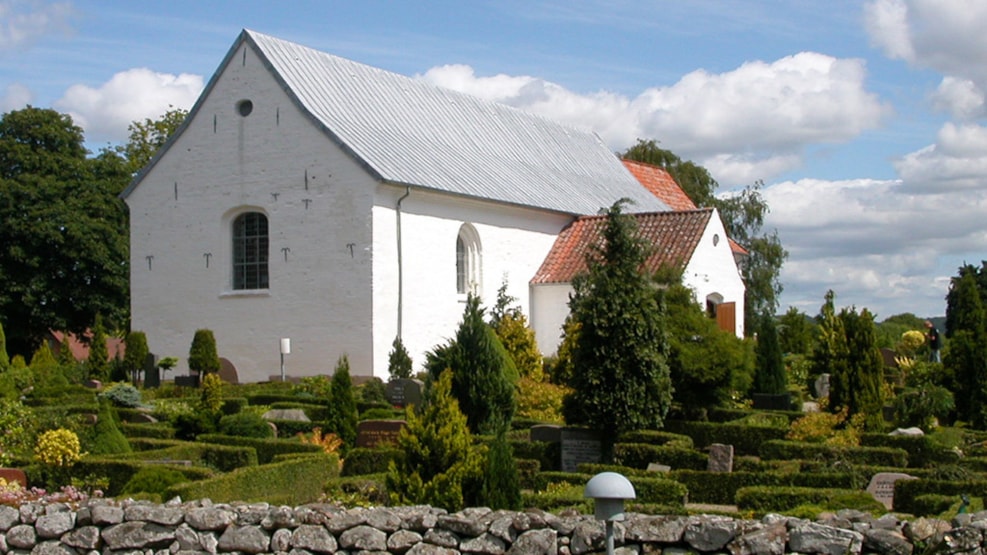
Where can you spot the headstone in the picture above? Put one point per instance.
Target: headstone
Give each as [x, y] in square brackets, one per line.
[402, 392]
[720, 458]
[227, 371]
[297, 415]
[772, 401]
[882, 486]
[822, 386]
[580, 446]
[655, 467]
[191, 380]
[11, 475]
[374, 433]
[907, 432]
[889, 356]
[545, 432]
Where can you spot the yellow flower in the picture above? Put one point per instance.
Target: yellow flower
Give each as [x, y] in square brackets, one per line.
[58, 448]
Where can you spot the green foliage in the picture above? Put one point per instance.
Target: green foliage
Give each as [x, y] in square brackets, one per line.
[364, 460]
[245, 424]
[483, 375]
[223, 458]
[148, 136]
[98, 361]
[211, 397]
[518, 339]
[267, 449]
[501, 483]
[907, 492]
[373, 391]
[18, 428]
[875, 456]
[772, 499]
[202, 355]
[136, 354]
[795, 332]
[123, 395]
[344, 414]
[560, 370]
[4, 359]
[706, 363]
[640, 455]
[770, 376]
[925, 401]
[966, 358]
[923, 451]
[153, 479]
[64, 235]
[295, 481]
[107, 437]
[540, 401]
[655, 437]
[746, 440]
[438, 457]
[399, 363]
[620, 377]
[721, 487]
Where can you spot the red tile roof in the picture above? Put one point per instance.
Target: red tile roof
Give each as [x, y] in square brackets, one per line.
[661, 184]
[114, 345]
[673, 236]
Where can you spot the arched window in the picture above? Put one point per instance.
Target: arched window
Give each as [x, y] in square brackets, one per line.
[467, 260]
[250, 251]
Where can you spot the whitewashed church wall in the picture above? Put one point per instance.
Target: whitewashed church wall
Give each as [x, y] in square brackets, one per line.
[712, 270]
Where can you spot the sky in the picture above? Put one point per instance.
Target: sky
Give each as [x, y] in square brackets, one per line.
[865, 120]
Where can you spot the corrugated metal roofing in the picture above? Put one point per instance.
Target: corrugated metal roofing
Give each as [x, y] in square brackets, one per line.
[672, 236]
[413, 133]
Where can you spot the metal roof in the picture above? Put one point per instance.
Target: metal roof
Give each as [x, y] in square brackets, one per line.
[413, 133]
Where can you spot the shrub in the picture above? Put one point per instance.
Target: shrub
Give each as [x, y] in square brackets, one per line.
[211, 397]
[540, 401]
[640, 455]
[59, 448]
[343, 407]
[122, 395]
[721, 487]
[245, 424]
[923, 451]
[202, 356]
[18, 430]
[373, 391]
[876, 456]
[398, 360]
[266, 449]
[108, 439]
[364, 460]
[136, 354]
[654, 437]
[767, 499]
[907, 492]
[360, 491]
[746, 440]
[153, 479]
[501, 484]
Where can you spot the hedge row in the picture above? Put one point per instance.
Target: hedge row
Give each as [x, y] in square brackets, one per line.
[923, 452]
[291, 428]
[654, 490]
[655, 437]
[224, 458]
[907, 492]
[161, 430]
[364, 460]
[640, 455]
[548, 454]
[117, 471]
[266, 448]
[746, 440]
[721, 487]
[293, 482]
[876, 456]
[772, 499]
[314, 411]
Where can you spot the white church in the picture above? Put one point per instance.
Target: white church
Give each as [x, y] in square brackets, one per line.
[338, 205]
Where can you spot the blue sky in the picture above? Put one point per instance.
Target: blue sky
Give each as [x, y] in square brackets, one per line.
[864, 120]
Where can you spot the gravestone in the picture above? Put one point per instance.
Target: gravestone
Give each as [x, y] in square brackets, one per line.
[375, 433]
[402, 392]
[655, 467]
[545, 432]
[882, 486]
[11, 475]
[720, 458]
[822, 386]
[227, 371]
[580, 446]
[297, 415]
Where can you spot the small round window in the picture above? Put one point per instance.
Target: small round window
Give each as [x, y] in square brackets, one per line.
[716, 239]
[244, 107]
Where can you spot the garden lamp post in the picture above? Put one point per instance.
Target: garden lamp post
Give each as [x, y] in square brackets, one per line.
[608, 491]
[285, 350]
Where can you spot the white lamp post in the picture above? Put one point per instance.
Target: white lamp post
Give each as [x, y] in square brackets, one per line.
[285, 350]
[609, 490]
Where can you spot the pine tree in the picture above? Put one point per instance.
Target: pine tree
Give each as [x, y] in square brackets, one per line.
[399, 363]
[202, 356]
[501, 484]
[829, 353]
[108, 439]
[98, 362]
[136, 354]
[343, 405]
[483, 374]
[770, 375]
[65, 357]
[860, 389]
[620, 376]
[438, 457]
[966, 358]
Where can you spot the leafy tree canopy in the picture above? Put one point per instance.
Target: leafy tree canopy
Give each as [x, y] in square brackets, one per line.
[147, 136]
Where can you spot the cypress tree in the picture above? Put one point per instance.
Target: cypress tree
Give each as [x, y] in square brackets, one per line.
[202, 356]
[620, 378]
[860, 389]
[966, 358]
[770, 375]
[108, 440]
[136, 354]
[343, 408]
[399, 363]
[501, 484]
[829, 353]
[98, 362]
[483, 374]
[65, 357]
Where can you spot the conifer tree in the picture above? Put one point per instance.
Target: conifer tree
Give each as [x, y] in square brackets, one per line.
[98, 362]
[483, 374]
[501, 484]
[438, 457]
[518, 339]
[399, 363]
[770, 375]
[136, 354]
[4, 360]
[620, 375]
[829, 352]
[65, 356]
[966, 358]
[343, 405]
[859, 389]
[202, 356]
[108, 439]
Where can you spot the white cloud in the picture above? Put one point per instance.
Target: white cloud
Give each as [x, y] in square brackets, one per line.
[15, 97]
[752, 122]
[961, 97]
[957, 161]
[22, 22]
[132, 95]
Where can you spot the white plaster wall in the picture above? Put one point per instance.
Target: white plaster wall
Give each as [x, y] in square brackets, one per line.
[549, 309]
[712, 269]
[514, 242]
[318, 202]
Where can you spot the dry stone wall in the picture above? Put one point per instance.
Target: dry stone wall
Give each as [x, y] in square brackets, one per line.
[138, 528]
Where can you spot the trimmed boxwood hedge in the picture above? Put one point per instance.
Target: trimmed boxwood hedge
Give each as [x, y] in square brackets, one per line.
[159, 430]
[771, 499]
[292, 482]
[364, 460]
[746, 440]
[118, 471]
[655, 437]
[721, 487]
[221, 457]
[640, 455]
[907, 492]
[876, 456]
[266, 448]
[923, 452]
[548, 454]
[291, 428]
[314, 410]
